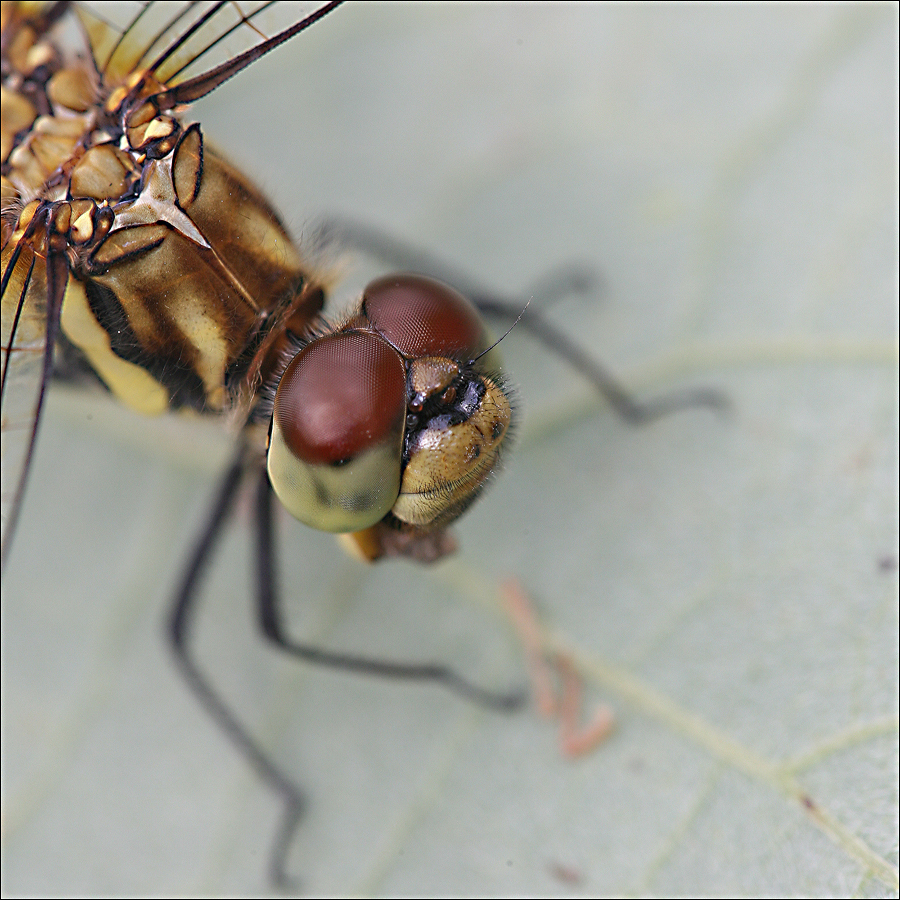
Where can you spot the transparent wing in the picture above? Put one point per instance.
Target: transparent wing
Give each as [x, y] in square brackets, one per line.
[188, 43]
[24, 344]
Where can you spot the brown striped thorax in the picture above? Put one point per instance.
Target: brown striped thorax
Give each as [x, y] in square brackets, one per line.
[130, 243]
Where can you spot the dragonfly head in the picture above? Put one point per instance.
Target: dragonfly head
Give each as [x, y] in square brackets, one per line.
[395, 414]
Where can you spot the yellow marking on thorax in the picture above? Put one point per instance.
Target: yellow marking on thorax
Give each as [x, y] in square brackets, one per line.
[206, 337]
[132, 385]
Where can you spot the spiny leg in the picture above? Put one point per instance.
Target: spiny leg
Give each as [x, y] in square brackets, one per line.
[272, 626]
[184, 607]
[564, 280]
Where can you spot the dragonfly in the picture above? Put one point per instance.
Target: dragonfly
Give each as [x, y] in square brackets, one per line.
[65, 238]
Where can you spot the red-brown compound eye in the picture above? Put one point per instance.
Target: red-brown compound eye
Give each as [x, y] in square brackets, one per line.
[336, 443]
[340, 396]
[424, 317]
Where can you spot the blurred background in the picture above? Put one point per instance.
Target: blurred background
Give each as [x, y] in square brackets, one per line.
[728, 583]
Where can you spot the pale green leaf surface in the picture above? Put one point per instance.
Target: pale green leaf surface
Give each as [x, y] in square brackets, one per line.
[728, 583]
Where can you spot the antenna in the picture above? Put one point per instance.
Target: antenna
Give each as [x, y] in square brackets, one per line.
[508, 330]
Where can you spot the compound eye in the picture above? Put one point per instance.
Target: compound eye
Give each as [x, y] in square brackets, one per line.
[337, 432]
[340, 395]
[424, 317]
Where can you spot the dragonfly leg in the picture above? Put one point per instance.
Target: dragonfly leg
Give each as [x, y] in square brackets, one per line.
[183, 609]
[573, 278]
[272, 626]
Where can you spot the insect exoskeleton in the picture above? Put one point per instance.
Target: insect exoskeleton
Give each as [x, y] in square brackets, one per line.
[397, 416]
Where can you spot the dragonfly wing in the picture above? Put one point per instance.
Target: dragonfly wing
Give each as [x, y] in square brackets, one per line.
[33, 291]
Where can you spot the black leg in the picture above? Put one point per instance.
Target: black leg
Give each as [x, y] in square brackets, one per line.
[569, 279]
[273, 628]
[631, 410]
[180, 621]
[184, 607]
[185, 601]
